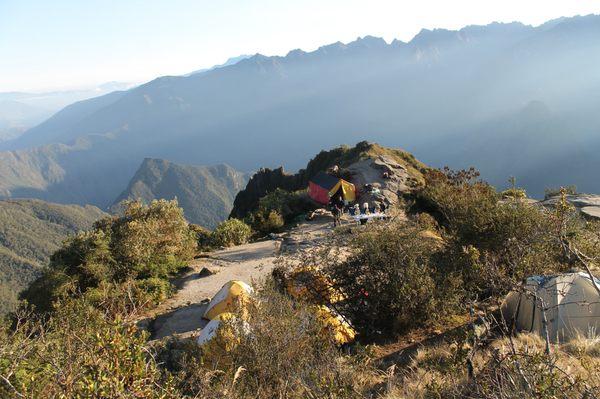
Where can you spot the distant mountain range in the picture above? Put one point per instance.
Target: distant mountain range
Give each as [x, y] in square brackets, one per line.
[510, 99]
[205, 193]
[30, 231]
[230, 61]
[20, 111]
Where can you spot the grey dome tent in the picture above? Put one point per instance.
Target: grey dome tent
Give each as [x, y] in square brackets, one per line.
[570, 301]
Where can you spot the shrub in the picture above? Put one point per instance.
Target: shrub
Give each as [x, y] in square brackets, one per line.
[288, 354]
[514, 193]
[78, 352]
[231, 232]
[492, 245]
[267, 223]
[389, 281]
[203, 237]
[554, 192]
[151, 241]
[278, 208]
[146, 244]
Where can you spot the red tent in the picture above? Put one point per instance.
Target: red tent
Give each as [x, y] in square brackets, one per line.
[323, 186]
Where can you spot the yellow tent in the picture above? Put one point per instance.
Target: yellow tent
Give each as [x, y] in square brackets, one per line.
[322, 187]
[222, 335]
[348, 190]
[212, 328]
[233, 296]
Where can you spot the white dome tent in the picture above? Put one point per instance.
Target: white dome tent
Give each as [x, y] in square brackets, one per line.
[570, 302]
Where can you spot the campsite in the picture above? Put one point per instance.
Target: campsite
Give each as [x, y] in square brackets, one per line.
[456, 282]
[299, 199]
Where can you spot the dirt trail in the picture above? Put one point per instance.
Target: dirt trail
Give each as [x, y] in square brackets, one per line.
[181, 314]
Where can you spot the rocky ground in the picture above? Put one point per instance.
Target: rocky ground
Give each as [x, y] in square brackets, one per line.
[371, 171]
[587, 204]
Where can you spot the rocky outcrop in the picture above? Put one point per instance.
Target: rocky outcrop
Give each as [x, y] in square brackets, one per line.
[587, 204]
[387, 180]
[263, 182]
[390, 172]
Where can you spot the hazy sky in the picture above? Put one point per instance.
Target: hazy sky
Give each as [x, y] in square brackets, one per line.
[48, 44]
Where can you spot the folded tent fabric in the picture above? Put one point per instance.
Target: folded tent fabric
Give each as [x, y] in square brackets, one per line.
[341, 330]
[231, 297]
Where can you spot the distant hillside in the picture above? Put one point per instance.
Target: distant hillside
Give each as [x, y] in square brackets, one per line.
[21, 111]
[30, 231]
[205, 193]
[16, 117]
[432, 96]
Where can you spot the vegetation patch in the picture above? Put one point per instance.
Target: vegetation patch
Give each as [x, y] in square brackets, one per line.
[145, 245]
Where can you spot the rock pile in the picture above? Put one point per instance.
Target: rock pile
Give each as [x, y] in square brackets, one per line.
[387, 179]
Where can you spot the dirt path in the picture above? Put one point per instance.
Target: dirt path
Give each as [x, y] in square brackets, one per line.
[181, 314]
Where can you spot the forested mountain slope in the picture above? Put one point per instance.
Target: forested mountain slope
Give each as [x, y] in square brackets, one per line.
[431, 96]
[205, 193]
[30, 231]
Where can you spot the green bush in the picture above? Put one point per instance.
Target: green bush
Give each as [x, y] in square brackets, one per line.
[203, 237]
[266, 223]
[78, 352]
[493, 245]
[231, 232]
[554, 192]
[278, 208]
[388, 282]
[151, 241]
[147, 243]
[514, 193]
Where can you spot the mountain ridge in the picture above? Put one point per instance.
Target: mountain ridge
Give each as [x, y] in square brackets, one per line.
[398, 94]
[205, 193]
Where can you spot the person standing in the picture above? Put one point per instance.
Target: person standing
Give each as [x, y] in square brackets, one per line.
[337, 212]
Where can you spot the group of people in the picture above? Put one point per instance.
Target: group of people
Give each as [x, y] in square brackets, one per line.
[379, 207]
[338, 207]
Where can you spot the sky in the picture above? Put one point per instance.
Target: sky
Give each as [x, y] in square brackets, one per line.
[66, 44]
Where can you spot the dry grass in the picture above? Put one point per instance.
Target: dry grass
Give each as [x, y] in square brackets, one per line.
[572, 370]
[584, 345]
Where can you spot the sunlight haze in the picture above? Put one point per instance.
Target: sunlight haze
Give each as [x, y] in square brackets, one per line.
[71, 44]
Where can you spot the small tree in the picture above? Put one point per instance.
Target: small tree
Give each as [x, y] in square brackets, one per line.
[148, 242]
[231, 232]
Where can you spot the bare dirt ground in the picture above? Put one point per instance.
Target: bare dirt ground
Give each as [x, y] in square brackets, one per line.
[181, 315]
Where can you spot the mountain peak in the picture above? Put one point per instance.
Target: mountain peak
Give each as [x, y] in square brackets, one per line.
[368, 41]
[205, 193]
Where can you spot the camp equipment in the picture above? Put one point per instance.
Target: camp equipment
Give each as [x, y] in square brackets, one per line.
[323, 187]
[234, 295]
[570, 303]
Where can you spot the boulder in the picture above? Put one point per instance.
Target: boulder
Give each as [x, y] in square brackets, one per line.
[389, 180]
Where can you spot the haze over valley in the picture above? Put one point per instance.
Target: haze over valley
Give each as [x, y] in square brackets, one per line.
[509, 99]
